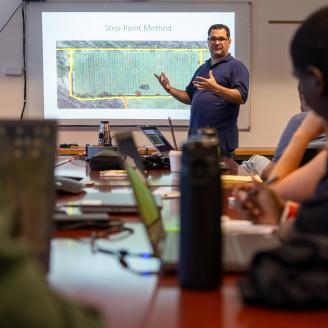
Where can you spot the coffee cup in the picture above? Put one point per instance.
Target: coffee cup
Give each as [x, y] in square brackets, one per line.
[175, 160]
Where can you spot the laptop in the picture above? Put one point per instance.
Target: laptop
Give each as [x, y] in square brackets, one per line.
[109, 202]
[148, 210]
[115, 201]
[27, 183]
[157, 139]
[240, 241]
[239, 244]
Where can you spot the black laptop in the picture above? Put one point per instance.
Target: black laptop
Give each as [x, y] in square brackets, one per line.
[157, 139]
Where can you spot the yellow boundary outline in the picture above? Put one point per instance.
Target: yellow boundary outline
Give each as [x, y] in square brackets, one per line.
[133, 49]
[123, 98]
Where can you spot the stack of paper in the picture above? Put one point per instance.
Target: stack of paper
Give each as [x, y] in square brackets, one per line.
[247, 227]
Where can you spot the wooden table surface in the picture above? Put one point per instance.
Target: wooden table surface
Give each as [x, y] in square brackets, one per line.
[136, 301]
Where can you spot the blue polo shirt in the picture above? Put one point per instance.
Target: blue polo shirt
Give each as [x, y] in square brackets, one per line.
[211, 110]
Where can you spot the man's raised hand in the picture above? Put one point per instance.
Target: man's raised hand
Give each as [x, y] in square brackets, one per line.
[205, 84]
[164, 81]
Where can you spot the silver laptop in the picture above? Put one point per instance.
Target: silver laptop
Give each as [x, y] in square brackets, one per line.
[163, 233]
[109, 202]
[116, 202]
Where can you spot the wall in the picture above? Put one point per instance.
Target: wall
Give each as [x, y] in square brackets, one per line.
[273, 88]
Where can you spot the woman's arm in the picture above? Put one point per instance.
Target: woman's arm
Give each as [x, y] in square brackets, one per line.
[300, 185]
[311, 127]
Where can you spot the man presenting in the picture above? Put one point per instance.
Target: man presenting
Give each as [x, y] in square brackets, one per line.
[216, 90]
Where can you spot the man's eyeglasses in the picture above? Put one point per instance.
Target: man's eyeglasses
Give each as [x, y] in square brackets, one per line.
[213, 39]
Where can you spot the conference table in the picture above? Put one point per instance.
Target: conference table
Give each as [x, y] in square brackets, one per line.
[130, 300]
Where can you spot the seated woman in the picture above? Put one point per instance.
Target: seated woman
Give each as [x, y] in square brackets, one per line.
[261, 165]
[308, 52]
[294, 183]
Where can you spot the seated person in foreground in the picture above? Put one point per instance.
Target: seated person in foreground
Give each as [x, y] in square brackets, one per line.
[261, 165]
[309, 58]
[26, 299]
[294, 275]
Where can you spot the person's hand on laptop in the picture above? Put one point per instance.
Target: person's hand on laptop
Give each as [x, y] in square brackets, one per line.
[261, 202]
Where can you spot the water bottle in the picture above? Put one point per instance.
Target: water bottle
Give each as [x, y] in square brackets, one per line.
[200, 264]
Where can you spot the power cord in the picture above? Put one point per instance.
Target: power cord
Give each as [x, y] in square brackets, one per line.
[70, 159]
[87, 224]
[23, 6]
[116, 227]
[122, 256]
[12, 15]
[24, 60]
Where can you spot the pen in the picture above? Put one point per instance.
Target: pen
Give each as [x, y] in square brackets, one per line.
[271, 181]
[267, 183]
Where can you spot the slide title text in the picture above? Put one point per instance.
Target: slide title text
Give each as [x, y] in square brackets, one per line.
[138, 28]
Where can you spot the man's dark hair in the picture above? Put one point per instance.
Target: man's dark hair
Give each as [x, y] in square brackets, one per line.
[219, 27]
[309, 45]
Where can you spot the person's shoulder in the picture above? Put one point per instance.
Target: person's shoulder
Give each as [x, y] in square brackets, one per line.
[237, 65]
[297, 118]
[236, 61]
[294, 122]
[206, 64]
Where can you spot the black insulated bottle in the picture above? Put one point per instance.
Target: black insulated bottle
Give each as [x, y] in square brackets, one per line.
[200, 265]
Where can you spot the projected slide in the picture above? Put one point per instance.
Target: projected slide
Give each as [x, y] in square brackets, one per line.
[101, 64]
[117, 74]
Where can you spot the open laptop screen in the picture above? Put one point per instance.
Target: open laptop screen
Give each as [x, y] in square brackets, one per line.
[148, 210]
[156, 138]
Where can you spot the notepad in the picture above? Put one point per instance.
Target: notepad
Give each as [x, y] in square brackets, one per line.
[247, 227]
[113, 174]
[240, 178]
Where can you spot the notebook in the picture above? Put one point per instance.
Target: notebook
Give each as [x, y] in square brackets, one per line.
[27, 182]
